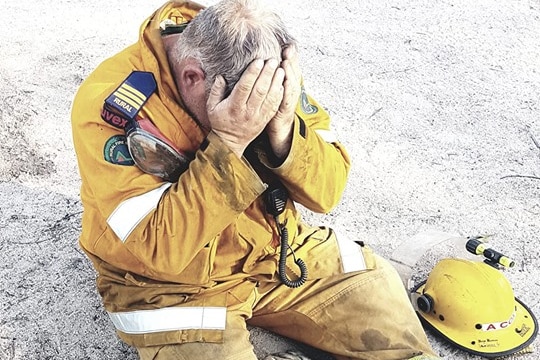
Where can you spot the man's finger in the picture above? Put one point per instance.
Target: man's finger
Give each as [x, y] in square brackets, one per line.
[243, 88]
[263, 84]
[291, 54]
[286, 53]
[291, 64]
[217, 93]
[287, 95]
[290, 74]
[275, 95]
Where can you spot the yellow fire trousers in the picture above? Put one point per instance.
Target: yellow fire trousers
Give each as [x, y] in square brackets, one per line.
[362, 315]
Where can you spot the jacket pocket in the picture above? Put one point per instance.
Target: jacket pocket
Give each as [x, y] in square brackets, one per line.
[327, 256]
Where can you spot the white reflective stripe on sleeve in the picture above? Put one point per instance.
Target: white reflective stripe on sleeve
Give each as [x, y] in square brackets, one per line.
[170, 319]
[130, 212]
[352, 257]
[327, 135]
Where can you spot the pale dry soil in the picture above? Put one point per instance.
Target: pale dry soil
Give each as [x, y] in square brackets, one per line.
[438, 103]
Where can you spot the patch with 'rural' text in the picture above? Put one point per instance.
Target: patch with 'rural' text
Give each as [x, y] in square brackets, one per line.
[116, 151]
[132, 94]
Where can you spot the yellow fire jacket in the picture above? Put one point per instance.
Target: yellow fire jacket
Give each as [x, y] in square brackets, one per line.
[158, 246]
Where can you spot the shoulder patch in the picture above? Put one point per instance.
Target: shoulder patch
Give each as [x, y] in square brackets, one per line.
[116, 151]
[128, 99]
[307, 108]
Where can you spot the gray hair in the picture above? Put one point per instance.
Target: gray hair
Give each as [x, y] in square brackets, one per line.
[226, 37]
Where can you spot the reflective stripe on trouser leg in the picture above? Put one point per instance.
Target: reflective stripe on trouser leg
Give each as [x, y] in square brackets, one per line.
[169, 319]
[235, 345]
[364, 315]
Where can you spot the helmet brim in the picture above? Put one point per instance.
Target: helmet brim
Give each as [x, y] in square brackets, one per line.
[495, 343]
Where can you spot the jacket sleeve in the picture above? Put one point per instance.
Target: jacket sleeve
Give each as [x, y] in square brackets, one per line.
[163, 225]
[316, 169]
[208, 197]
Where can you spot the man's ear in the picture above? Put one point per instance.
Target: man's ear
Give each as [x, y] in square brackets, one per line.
[191, 77]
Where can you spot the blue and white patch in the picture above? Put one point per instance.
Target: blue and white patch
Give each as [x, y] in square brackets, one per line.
[128, 99]
[116, 151]
[307, 108]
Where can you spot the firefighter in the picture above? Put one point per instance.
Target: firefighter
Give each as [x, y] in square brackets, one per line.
[194, 145]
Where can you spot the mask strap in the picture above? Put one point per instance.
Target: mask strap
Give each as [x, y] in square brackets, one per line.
[148, 126]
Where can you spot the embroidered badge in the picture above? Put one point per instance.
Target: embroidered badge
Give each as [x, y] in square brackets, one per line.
[307, 108]
[116, 151]
[128, 99]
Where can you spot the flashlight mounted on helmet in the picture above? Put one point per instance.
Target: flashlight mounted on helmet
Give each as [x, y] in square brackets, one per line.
[494, 258]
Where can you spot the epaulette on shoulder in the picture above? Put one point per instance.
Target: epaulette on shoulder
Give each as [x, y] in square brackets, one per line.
[128, 99]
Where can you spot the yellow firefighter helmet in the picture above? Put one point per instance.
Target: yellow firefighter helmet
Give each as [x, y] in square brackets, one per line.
[472, 305]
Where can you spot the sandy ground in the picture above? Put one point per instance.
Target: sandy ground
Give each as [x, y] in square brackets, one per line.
[437, 101]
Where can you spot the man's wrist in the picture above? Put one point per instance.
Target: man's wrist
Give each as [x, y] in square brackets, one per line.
[235, 148]
[281, 141]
